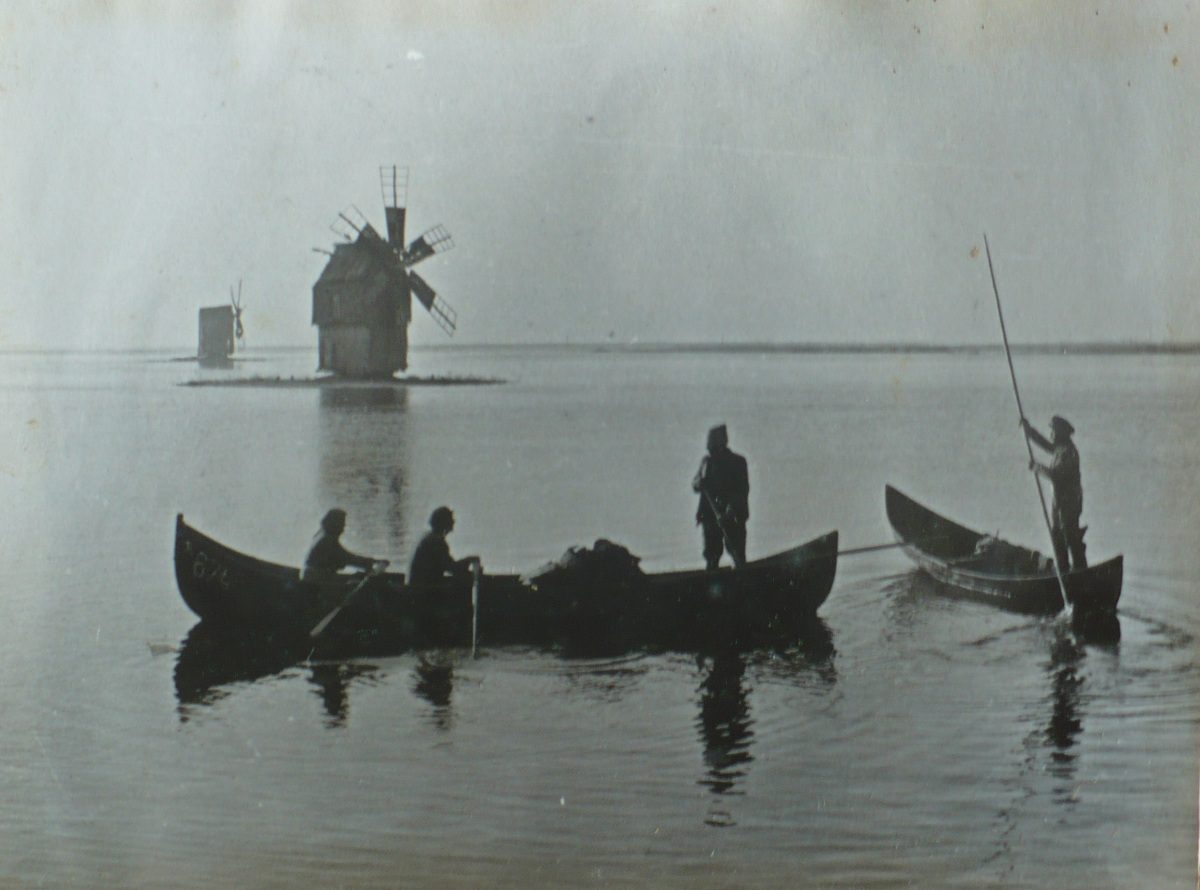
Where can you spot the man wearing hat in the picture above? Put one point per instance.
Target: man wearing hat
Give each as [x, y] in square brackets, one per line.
[328, 557]
[724, 487]
[432, 565]
[1063, 473]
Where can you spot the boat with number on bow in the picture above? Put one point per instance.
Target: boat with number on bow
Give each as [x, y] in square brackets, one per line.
[766, 598]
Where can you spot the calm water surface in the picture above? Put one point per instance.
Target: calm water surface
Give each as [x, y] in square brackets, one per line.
[910, 740]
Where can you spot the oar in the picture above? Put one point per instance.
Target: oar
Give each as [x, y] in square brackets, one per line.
[737, 561]
[873, 547]
[476, 571]
[1062, 587]
[324, 622]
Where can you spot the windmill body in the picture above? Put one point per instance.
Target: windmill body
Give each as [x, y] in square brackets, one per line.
[362, 303]
[216, 333]
[220, 328]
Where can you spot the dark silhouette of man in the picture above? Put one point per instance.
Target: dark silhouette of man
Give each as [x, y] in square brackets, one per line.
[1063, 473]
[432, 565]
[328, 557]
[723, 483]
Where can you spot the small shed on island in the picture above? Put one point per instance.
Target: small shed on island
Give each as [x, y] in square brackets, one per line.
[216, 332]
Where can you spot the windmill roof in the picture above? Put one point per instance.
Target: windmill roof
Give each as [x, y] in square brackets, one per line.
[354, 282]
[352, 262]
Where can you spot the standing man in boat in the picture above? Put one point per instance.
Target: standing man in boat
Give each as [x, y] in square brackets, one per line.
[328, 557]
[432, 565]
[723, 484]
[1063, 473]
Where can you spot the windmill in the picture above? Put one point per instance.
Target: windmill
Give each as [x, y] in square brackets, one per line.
[220, 327]
[362, 303]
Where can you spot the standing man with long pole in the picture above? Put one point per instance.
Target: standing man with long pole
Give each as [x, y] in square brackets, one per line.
[1058, 570]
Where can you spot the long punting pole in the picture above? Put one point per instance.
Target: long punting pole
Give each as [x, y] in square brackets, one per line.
[1062, 587]
[476, 571]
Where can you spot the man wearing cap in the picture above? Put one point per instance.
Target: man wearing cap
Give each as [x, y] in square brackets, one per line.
[724, 487]
[328, 557]
[432, 565]
[1063, 473]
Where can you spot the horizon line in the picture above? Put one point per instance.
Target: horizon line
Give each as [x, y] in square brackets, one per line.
[1115, 347]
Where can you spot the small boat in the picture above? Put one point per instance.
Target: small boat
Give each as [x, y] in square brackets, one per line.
[767, 598]
[989, 569]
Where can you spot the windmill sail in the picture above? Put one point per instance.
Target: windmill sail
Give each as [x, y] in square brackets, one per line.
[436, 240]
[395, 226]
[393, 186]
[239, 330]
[350, 223]
[441, 311]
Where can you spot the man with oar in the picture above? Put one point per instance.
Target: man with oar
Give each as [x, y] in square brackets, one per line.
[328, 557]
[723, 484]
[1067, 505]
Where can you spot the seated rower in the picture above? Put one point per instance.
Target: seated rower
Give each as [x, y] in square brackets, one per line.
[432, 565]
[328, 557]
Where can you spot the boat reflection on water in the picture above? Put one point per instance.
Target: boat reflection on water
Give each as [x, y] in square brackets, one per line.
[911, 594]
[212, 663]
[725, 723]
[909, 597]
[1096, 629]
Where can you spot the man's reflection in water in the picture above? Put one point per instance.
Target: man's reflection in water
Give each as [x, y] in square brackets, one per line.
[333, 686]
[1067, 653]
[1065, 723]
[725, 724]
[434, 682]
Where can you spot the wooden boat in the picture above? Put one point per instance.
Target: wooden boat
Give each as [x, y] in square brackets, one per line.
[986, 568]
[768, 598]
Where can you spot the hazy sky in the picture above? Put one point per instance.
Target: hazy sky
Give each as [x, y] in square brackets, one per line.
[808, 170]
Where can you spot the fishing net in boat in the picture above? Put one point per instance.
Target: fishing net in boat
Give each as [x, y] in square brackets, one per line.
[996, 556]
[604, 562]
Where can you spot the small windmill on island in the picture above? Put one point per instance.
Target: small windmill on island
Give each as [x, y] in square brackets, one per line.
[362, 303]
[221, 330]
